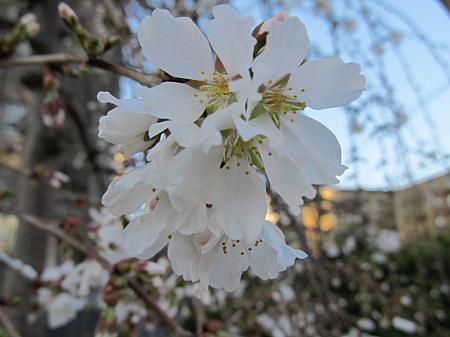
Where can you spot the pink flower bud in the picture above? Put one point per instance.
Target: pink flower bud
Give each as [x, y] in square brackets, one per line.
[67, 14]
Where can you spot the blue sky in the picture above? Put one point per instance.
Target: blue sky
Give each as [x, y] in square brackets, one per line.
[434, 22]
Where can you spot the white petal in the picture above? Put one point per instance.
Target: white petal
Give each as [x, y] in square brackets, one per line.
[196, 220]
[246, 130]
[184, 257]
[130, 191]
[126, 124]
[266, 127]
[230, 36]
[327, 83]
[147, 234]
[286, 47]
[167, 215]
[144, 237]
[286, 179]
[160, 155]
[184, 134]
[263, 261]
[176, 101]
[158, 128]
[286, 255]
[314, 148]
[227, 268]
[176, 45]
[192, 172]
[239, 200]
[133, 105]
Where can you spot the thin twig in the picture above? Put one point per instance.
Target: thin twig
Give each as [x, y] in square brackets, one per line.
[8, 324]
[92, 253]
[72, 196]
[72, 59]
[169, 322]
[53, 229]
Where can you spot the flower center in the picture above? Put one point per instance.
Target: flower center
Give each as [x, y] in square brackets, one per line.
[278, 101]
[217, 92]
[235, 146]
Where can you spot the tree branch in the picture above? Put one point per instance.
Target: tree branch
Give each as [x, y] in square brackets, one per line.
[8, 324]
[53, 229]
[138, 76]
[169, 322]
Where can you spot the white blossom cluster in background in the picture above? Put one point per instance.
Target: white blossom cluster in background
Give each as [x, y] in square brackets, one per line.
[234, 112]
[69, 287]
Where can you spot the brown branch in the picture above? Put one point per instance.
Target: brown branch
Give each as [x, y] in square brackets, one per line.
[26, 173]
[53, 229]
[75, 59]
[169, 322]
[8, 324]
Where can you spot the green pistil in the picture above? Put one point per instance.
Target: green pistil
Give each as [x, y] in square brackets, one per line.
[234, 146]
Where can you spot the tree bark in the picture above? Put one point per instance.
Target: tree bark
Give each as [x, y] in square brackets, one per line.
[55, 149]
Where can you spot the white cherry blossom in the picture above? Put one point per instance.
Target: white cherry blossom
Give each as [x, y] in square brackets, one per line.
[209, 256]
[168, 43]
[231, 114]
[60, 308]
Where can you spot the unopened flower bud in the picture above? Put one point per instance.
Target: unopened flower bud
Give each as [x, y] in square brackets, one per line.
[68, 15]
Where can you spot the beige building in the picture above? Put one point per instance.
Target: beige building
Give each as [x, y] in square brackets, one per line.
[423, 209]
[415, 211]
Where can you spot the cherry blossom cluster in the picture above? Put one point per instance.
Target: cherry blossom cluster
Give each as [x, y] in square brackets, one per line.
[232, 115]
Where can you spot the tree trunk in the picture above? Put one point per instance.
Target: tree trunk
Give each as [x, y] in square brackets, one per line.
[55, 150]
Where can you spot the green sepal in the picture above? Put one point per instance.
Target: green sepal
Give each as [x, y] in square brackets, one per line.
[258, 110]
